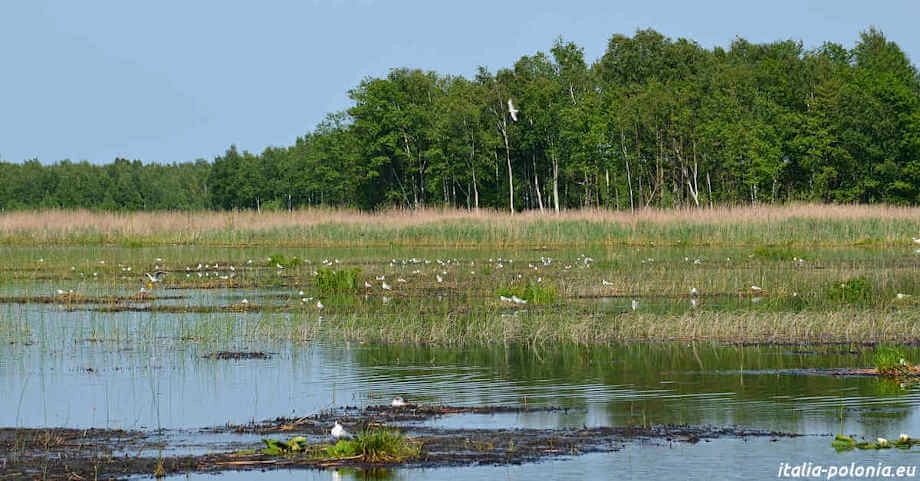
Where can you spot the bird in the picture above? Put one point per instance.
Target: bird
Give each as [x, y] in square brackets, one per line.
[440, 279]
[635, 304]
[518, 300]
[338, 432]
[505, 299]
[901, 295]
[386, 286]
[368, 285]
[755, 288]
[606, 282]
[916, 240]
[693, 303]
[694, 292]
[398, 402]
[513, 111]
[319, 305]
[155, 277]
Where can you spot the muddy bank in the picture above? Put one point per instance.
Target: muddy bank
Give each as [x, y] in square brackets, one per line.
[73, 454]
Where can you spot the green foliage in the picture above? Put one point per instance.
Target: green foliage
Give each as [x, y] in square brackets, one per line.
[282, 260]
[376, 445]
[329, 281]
[853, 291]
[774, 253]
[274, 447]
[533, 293]
[890, 361]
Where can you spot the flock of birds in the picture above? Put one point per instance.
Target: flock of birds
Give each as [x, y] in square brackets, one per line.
[442, 267]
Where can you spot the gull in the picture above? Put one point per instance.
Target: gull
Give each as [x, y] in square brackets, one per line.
[155, 277]
[916, 240]
[635, 304]
[694, 292]
[902, 296]
[903, 438]
[606, 282]
[279, 266]
[505, 299]
[401, 280]
[755, 288]
[380, 278]
[386, 286]
[513, 111]
[440, 279]
[338, 432]
[518, 300]
[398, 402]
[693, 303]
[319, 305]
[368, 285]
[244, 301]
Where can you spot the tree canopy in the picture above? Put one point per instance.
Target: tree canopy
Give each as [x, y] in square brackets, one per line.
[653, 122]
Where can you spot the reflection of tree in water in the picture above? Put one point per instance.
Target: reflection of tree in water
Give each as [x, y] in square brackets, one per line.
[664, 383]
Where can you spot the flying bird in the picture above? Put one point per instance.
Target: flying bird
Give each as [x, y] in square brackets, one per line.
[513, 111]
[156, 276]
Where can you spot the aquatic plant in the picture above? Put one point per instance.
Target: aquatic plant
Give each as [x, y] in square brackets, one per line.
[329, 281]
[376, 445]
[852, 291]
[890, 361]
[281, 260]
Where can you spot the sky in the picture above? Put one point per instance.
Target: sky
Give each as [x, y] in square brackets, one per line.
[178, 80]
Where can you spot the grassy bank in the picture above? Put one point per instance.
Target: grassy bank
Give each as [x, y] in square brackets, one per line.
[805, 225]
[794, 274]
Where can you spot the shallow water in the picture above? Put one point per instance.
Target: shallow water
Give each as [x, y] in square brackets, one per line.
[145, 370]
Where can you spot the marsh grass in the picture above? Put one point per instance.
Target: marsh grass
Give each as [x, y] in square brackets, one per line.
[376, 445]
[813, 225]
[854, 263]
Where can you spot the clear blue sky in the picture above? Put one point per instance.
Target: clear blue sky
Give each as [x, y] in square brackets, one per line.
[175, 80]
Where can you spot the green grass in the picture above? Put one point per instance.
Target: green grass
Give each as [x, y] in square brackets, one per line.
[376, 445]
[890, 361]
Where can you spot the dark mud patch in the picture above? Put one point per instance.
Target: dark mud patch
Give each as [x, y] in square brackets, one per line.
[68, 454]
[69, 299]
[236, 356]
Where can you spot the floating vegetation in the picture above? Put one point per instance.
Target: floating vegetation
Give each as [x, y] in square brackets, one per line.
[236, 356]
[847, 443]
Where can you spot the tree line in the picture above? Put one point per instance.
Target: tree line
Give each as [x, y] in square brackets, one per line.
[653, 122]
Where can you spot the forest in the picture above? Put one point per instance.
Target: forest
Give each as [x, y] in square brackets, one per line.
[654, 122]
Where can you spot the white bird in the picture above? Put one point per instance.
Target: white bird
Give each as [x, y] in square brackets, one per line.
[319, 305]
[756, 289]
[401, 280]
[338, 432]
[902, 296]
[380, 278]
[606, 282]
[635, 304]
[693, 303]
[155, 277]
[513, 111]
[694, 292]
[903, 438]
[368, 285]
[504, 299]
[440, 279]
[518, 300]
[916, 240]
[398, 402]
[386, 286]
[244, 301]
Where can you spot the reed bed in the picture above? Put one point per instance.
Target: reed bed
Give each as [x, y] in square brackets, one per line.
[805, 224]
